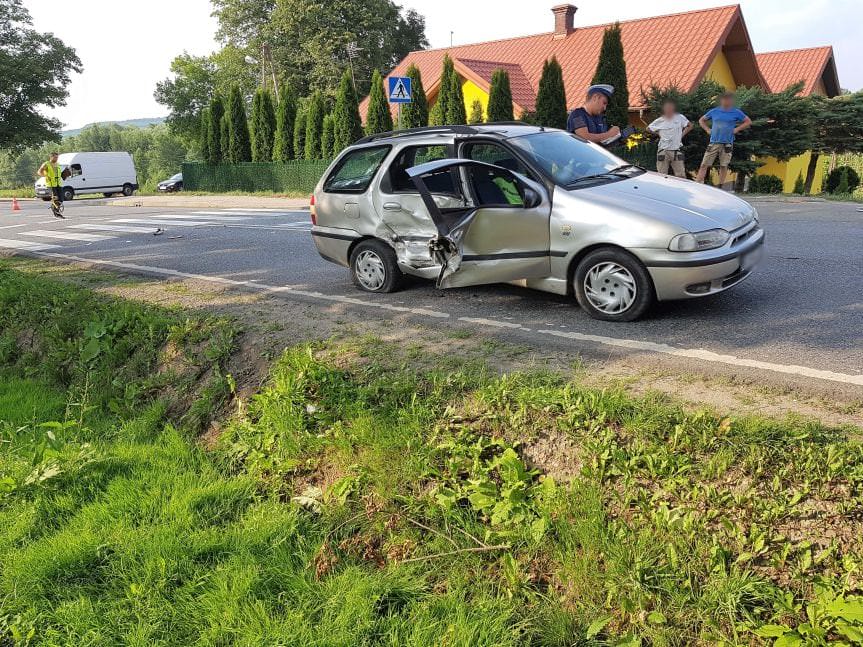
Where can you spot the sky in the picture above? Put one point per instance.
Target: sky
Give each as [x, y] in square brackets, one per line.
[126, 47]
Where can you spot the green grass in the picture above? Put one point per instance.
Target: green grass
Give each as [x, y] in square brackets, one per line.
[370, 495]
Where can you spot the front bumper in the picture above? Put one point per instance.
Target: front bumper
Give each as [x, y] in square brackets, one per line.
[688, 275]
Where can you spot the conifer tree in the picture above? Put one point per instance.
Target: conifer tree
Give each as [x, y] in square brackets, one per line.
[416, 113]
[239, 145]
[378, 117]
[217, 145]
[476, 115]
[440, 111]
[347, 127]
[500, 97]
[299, 134]
[328, 137]
[263, 126]
[204, 134]
[225, 136]
[456, 112]
[611, 69]
[317, 110]
[551, 96]
[283, 148]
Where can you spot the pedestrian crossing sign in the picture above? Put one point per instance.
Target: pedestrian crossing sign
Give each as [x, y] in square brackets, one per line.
[400, 89]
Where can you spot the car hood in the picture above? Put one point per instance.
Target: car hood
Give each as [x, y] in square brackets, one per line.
[688, 205]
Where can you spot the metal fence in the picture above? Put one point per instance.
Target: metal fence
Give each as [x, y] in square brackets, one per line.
[272, 177]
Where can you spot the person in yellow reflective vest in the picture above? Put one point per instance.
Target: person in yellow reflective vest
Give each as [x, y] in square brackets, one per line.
[50, 170]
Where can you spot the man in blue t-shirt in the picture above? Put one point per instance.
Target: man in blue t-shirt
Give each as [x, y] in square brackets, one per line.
[725, 122]
[589, 122]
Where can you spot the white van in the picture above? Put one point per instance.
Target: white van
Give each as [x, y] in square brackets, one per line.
[105, 173]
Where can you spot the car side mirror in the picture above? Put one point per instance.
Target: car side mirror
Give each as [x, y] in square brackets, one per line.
[532, 198]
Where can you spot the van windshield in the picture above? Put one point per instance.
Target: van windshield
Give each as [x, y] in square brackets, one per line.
[568, 159]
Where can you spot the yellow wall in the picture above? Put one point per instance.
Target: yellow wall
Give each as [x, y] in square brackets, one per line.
[720, 71]
[472, 92]
[788, 171]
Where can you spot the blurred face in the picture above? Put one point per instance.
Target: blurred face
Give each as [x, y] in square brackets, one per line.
[669, 109]
[53, 158]
[597, 103]
[727, 102]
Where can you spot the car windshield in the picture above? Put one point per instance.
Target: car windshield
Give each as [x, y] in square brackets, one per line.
[176, 178]
[569, 160]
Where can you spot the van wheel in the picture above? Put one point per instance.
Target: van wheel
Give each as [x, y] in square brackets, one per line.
[612, 285]
[128, 190]
[68, 194]
[374, 267]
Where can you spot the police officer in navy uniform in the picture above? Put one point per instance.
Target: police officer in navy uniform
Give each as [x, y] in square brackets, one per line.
[589, 122]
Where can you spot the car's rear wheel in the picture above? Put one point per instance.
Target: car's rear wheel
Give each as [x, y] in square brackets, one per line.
[374, 267]
[612, 285]
[128, 190]
[68, 194]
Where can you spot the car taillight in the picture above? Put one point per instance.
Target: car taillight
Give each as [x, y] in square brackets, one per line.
[313, 211]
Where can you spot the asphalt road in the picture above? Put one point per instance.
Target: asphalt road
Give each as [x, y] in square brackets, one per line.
[800, 313]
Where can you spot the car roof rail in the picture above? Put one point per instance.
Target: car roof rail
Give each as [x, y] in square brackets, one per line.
[507, 123]
[422, 130]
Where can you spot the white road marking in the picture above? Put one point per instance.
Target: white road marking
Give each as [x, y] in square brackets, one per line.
[118, 228]
[276, 211]
[11, 226]
[189, 216]
[643, 346]
[28, 245]
[66, 235]
[160, 223]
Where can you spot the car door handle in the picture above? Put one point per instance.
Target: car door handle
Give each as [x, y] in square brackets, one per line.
[392, 206]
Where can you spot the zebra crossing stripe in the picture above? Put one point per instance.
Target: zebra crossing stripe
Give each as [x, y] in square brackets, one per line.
[66, 235]
[26, 245]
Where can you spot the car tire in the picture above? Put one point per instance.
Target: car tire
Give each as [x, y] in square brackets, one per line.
[612, 285]
[374, 267]
[68, 194]
[128, 190]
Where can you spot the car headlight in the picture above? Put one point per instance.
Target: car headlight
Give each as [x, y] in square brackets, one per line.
[710, 239]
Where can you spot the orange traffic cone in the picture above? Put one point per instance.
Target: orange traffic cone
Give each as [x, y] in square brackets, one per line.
[15, 205]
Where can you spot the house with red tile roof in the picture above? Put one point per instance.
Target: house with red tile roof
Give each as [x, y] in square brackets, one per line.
[816, 68]
[675, 50]
[680, 50]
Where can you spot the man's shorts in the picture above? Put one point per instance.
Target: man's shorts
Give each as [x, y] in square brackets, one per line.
[721, 151]
[672, 158]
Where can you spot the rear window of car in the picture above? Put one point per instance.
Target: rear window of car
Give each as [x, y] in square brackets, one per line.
[411, 156]
[355, 171]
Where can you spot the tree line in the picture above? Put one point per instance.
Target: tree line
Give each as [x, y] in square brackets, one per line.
[158, 153]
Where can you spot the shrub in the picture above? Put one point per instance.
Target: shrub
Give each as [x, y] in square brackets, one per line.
[416, 113]
[379, 119]
[551, 97]
[299, 134]
[611, 69]
[240, 143]
[347, 127]
[218, 144]
[476, 116]
[765, 184]
[440, 110]
[800, 184]
[834, 180]
[500, 97]
[283, 148]
[317, 109]
[263, 126]
[327, 137]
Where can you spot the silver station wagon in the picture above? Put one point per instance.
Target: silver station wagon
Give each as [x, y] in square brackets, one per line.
[537, 207]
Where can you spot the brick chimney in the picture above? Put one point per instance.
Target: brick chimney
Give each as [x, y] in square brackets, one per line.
[564, 15]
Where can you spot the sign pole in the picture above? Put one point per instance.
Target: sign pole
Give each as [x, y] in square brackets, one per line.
[399, 127]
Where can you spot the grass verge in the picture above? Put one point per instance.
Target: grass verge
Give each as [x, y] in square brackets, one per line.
[372, 495]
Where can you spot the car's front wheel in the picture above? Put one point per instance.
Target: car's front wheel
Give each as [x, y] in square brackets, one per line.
[128, 190]
[374, 267]
[612, 285]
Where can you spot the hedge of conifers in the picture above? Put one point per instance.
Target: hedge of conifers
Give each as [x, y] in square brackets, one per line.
[303, 175]
[270, 177]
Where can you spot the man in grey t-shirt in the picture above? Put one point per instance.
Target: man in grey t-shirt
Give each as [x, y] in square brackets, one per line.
[671, 127]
